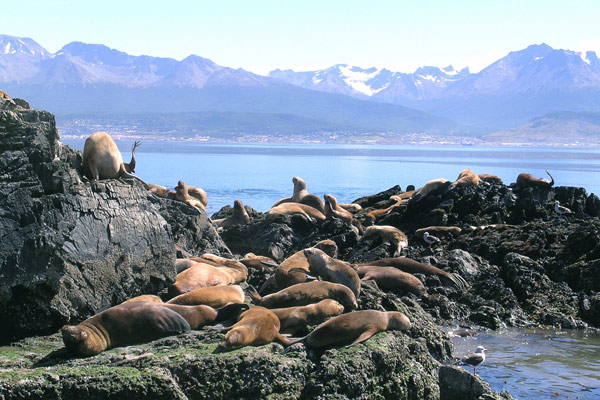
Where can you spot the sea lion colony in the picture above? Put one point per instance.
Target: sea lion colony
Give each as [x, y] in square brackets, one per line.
[310, 287]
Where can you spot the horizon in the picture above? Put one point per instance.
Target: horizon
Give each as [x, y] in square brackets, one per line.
[258, 39]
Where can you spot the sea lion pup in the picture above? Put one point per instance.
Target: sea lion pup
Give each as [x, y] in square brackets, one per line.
[391, 278]
[255, 327]
[333, 210]
[102, 159]
[182, 194]
[213, 296]
[145, 297]
[429, 187]
[200, 275]
[139, 322]
[332, 270]
[302, 294]
[466, 178]
[353, 208]
[525, 180]
[389, 234]
[454, 230]
[355, 327]
[239, 217]
[415, 267]
[161, 191]
[308, 212]
[490, 178]
[294, 319]
[295, 268]
[301, 195]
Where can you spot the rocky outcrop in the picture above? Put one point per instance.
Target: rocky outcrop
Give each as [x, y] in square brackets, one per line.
[71, 248]
[456, 383]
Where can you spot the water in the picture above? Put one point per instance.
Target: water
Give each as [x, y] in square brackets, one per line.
[538, 364]
[259, 175]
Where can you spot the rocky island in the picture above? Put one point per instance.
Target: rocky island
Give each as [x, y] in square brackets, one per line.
[71, 248]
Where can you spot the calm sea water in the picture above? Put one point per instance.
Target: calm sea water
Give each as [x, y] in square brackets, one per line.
[528, 365]
[259, 175]
[538, 364]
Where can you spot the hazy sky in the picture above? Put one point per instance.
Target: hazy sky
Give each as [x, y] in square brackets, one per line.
[260, 35]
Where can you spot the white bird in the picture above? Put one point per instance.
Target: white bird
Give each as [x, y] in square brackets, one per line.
[560, 210]
[429, 239]
[474, 359]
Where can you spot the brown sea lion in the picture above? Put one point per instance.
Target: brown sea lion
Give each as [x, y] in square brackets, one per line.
[139, 322]
[466, 178]
[429, 187]
[4, 95]
[454, 230]
[102, 159]
[198, 193]
[256, 326]
[200, 275]
[391, 278]
[294, 319]
[145, 297]
[310, 213]
[355, 327]
[525, 180]
[182, 194]
[333, 210]
[332, 270]
[240, 272]
[490, 178]
[295, 268]
[213, 296]
[302, 294]
[302, 196]
[389, 234]
[161, 191]
[374, 214]
[353, 208]
[415, 267]
[239, 217]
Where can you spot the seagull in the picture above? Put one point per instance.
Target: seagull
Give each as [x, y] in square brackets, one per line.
[474, 359]
[560, 210]
[429, 239]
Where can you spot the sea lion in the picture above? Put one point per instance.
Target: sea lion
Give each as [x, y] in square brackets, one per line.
[161, 191]
[218, 261]
[389, 234]
[239, 217]
[295, 268]
[302, 196]
[139, 322]
[415, 267]
[182, 194]
[302, 294]
[200, 275]
[355, 327]
[308, 212]
[352, 207]
[490, 178]
[374, 214]
[294, 319]
[4, 95]
[252, 260]
[255, 327]
[391, 278]
[332, 270]
[525, 180]
[454, 230]
[213, 296]
[102, 159]
[198, 193]
[430, 187]
[333, 210]
[466, 178]
[145, 297]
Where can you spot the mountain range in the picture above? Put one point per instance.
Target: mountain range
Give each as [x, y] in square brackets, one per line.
[94, 80]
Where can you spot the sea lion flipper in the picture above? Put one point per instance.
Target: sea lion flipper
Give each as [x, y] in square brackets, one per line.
[270, 280]
[365, 335]
[166, 321]
[230, 311]
[269, 263]
[253, 293]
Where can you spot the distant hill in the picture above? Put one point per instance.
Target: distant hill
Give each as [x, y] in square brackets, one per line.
[94, 80]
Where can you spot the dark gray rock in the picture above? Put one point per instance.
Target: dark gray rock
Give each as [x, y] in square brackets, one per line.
[456, 383]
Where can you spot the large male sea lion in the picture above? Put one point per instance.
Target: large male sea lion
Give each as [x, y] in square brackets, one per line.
[389, 235]
[301, 195]
[415, 267]
[525, 180]
[256, 326]
[466, 178]
[201, 274]
[102, 159]
[182, 194]
[294, 319]
[302, 294]
[308, 212]
[239, 217]
[145, 297]
[391, 278]
[332, 270]
[139, 322]
[355, 327]
[213, 296]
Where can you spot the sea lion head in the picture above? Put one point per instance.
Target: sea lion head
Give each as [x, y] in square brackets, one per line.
[237, 205]
[398, 320]
[329, 199]
[331, 307]
[78, 341]
[328, 246]
[299, 184]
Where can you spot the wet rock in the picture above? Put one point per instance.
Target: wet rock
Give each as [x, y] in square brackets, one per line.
[369, 201]
[456, 383]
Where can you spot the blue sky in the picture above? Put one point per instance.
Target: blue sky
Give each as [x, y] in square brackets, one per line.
[262, 35]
